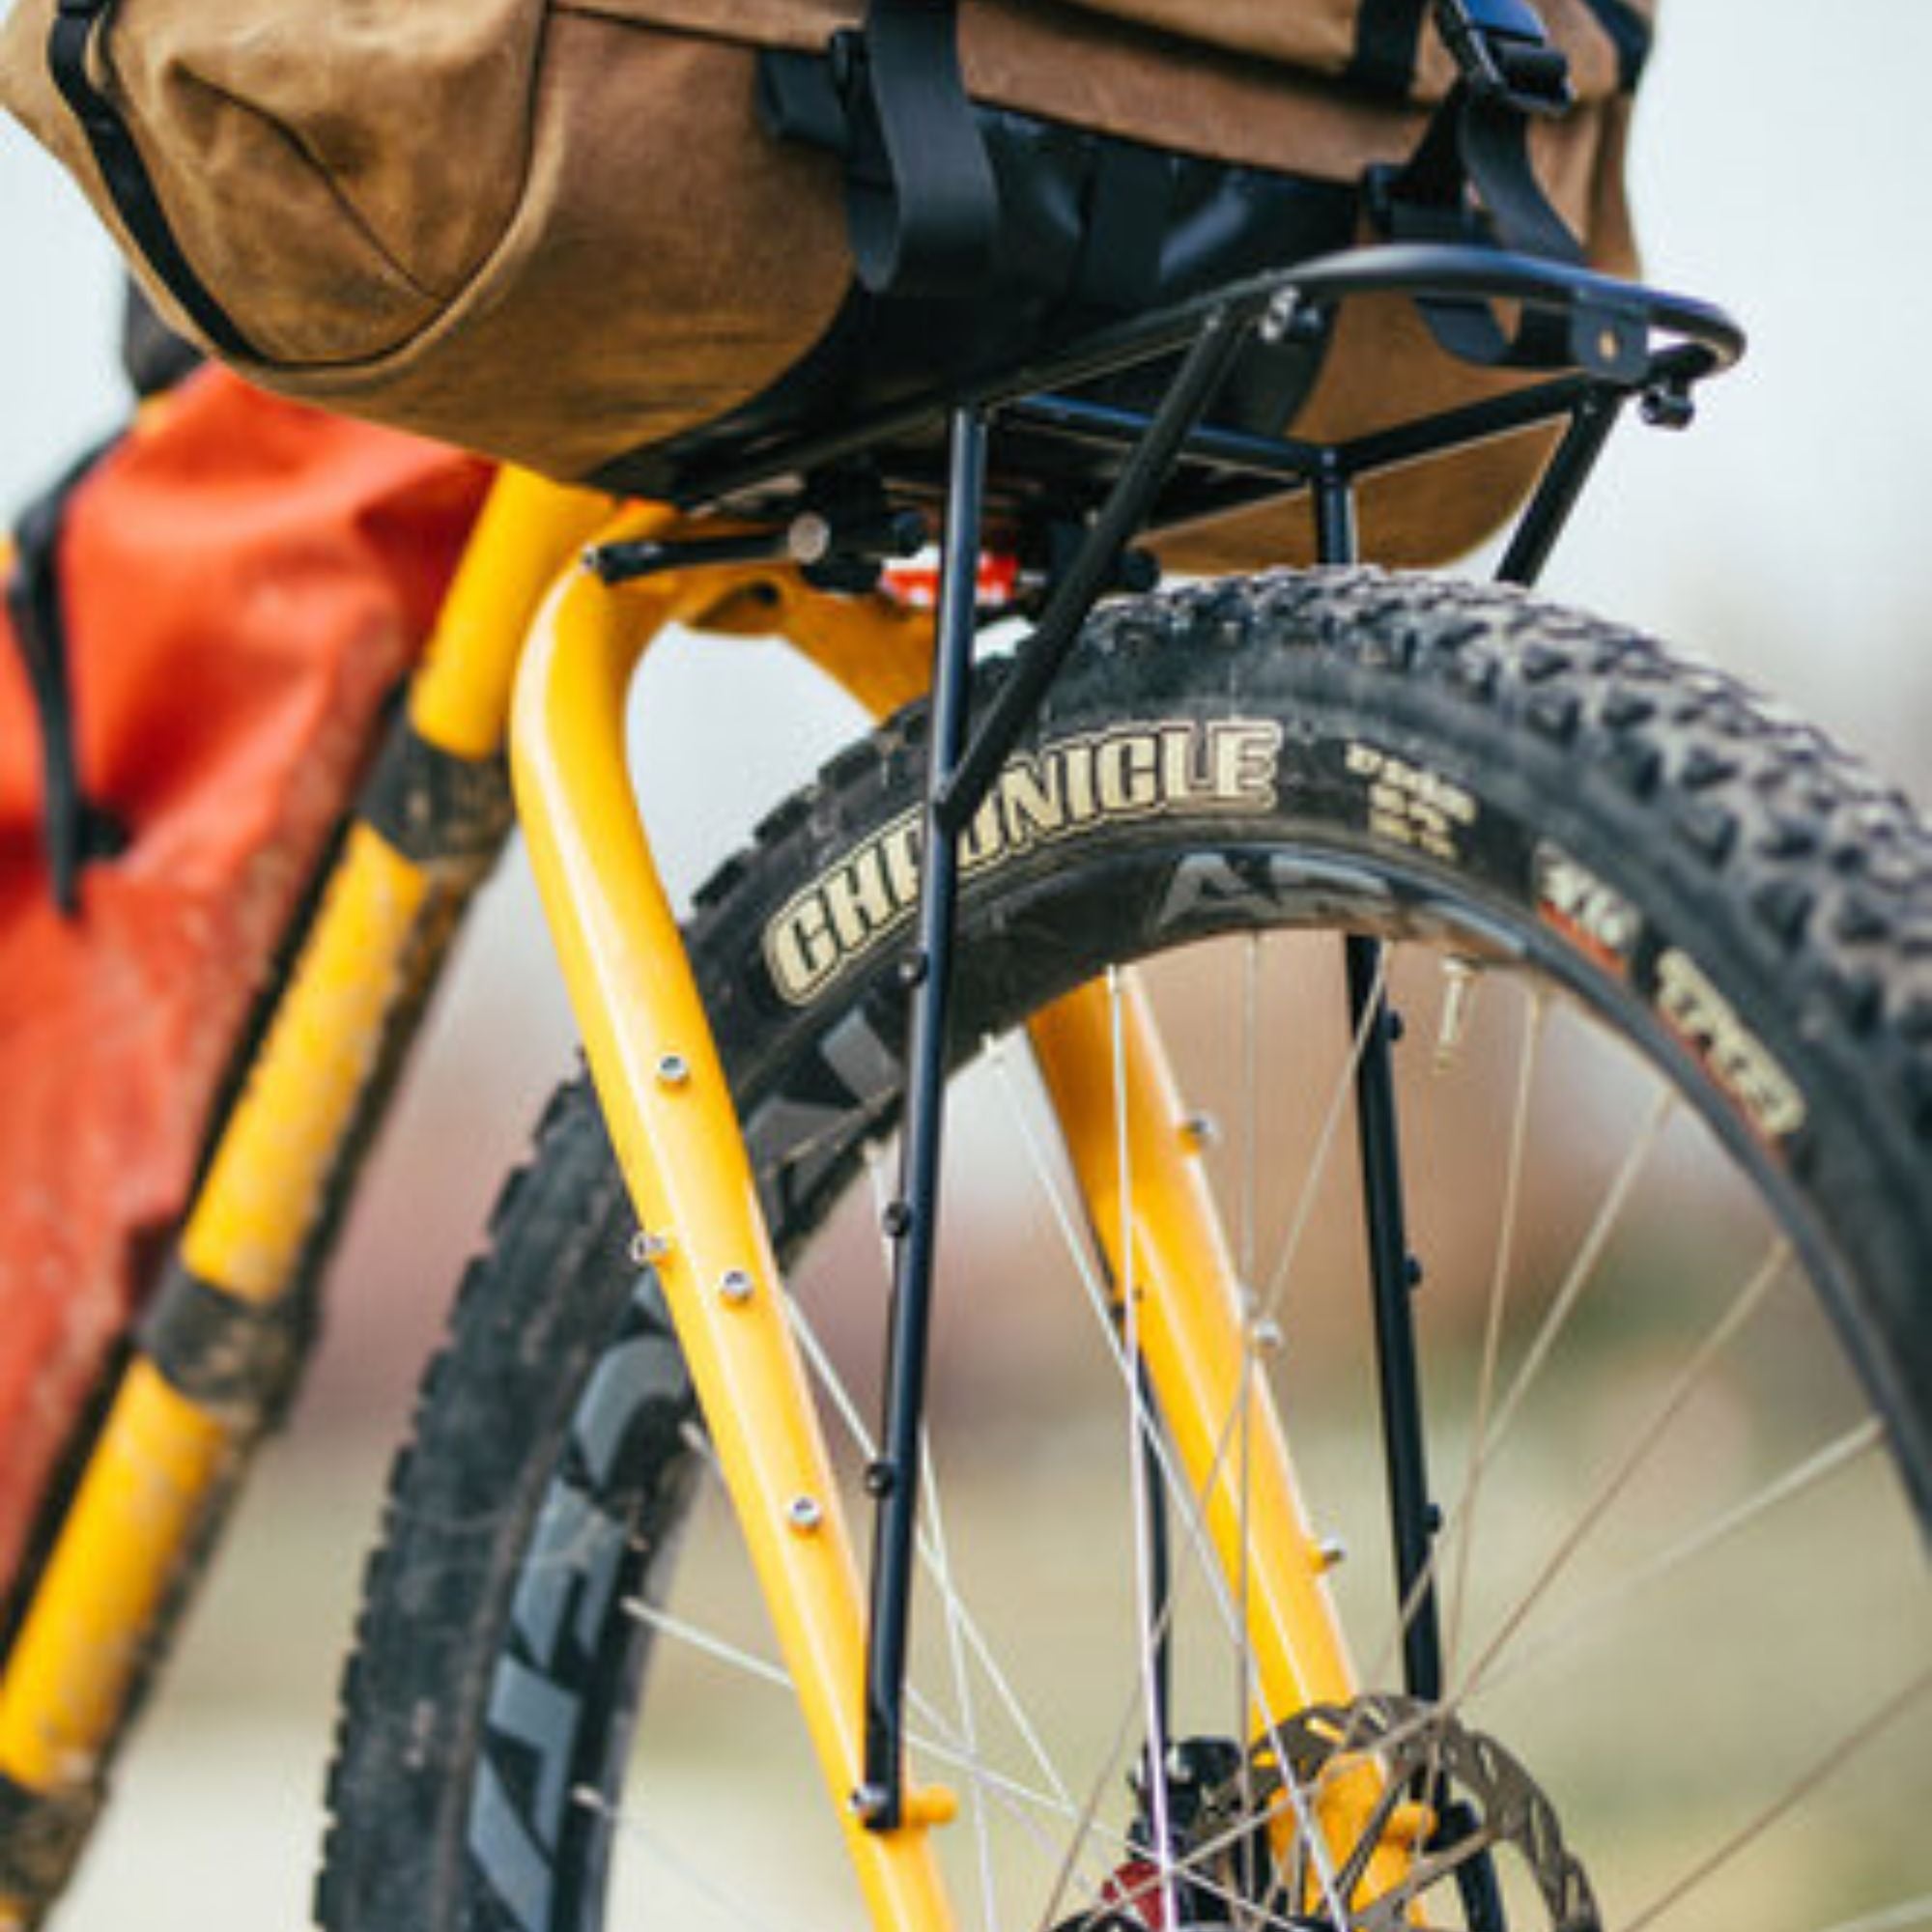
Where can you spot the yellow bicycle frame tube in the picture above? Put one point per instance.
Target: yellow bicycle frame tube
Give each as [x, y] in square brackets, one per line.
[678, 1143]
[164, 1462]
[1126, 1136]
[677, 1140]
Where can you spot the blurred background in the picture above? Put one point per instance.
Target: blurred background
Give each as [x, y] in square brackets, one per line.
[1781, 157]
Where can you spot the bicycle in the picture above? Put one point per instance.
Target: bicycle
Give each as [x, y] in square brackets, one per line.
[1529, 795]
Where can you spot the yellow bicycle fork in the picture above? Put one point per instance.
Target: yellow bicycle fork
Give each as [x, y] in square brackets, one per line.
[178, 1427]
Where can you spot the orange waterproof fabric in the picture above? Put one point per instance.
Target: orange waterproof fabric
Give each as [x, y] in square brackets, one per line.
[244, 578]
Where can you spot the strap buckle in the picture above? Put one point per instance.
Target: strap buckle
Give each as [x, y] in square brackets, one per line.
[1503, 54]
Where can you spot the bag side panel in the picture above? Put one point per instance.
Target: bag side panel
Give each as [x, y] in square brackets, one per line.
[669, 261]
[243, 581]
[393, 144]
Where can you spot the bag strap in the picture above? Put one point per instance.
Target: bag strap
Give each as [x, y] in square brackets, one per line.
[922, 201]
[124, 173]
[1471, 181]
[74, 828]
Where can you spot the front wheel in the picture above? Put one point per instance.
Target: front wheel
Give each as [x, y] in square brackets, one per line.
[1664, 1105]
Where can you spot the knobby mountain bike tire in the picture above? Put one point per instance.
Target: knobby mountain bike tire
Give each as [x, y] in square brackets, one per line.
[1666, 1110]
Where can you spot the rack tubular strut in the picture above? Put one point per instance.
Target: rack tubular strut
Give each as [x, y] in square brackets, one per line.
[963, 765]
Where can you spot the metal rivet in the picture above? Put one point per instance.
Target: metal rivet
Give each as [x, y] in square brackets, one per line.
[805, 1515]
[737, 1287]
[674, 1070]
[646, 1247]
[1279, 317]
[1331, 1553]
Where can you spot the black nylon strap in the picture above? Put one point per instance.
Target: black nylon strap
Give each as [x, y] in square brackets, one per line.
[435, 808]
[1630, 33]
[74, 828]
[922, 200]
[126, 173]
[1472, 180]
[1388, 35]
[41, 1834]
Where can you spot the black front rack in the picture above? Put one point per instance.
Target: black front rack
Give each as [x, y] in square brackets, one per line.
[1036, 441]
[1627, 340]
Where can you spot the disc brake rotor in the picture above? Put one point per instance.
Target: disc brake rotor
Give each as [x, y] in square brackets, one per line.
[1487, 1805]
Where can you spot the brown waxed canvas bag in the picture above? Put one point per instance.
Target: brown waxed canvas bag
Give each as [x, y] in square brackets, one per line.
[562, 233]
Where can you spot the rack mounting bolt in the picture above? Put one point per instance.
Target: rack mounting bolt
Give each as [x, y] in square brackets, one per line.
[646, 1247]
[674, 1070]
[805, 1515]
[736, 1287]
[1279, 317]
[872, 1805]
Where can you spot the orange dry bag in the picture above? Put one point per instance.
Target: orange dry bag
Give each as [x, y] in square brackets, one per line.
[234, 585]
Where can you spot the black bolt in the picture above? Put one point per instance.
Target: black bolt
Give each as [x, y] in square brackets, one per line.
[897, 1219]
[1412, 1272]
[1394, 1025]
[881, 1479]
[912, 969]
[1432, 1518]
[1665, 406]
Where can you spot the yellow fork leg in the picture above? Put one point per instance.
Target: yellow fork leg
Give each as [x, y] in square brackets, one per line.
[1164, 1243]
[677, 1140]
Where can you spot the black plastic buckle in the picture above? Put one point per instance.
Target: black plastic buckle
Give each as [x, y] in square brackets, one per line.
[1503, 54]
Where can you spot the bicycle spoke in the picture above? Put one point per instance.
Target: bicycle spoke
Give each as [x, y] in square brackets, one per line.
[1900, 1918]
[1579, 1274]
[1492, 1322]
[659, 1848]
[1862, 1440]
[1151, 1649]
[1737, 1314]
[1576, 1280]
[933, 1530]
[1333, 1115]
[934, 1742]
[1249, 1076]
[1187, 1501]
[1248, 1913]
[1794, 1794]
